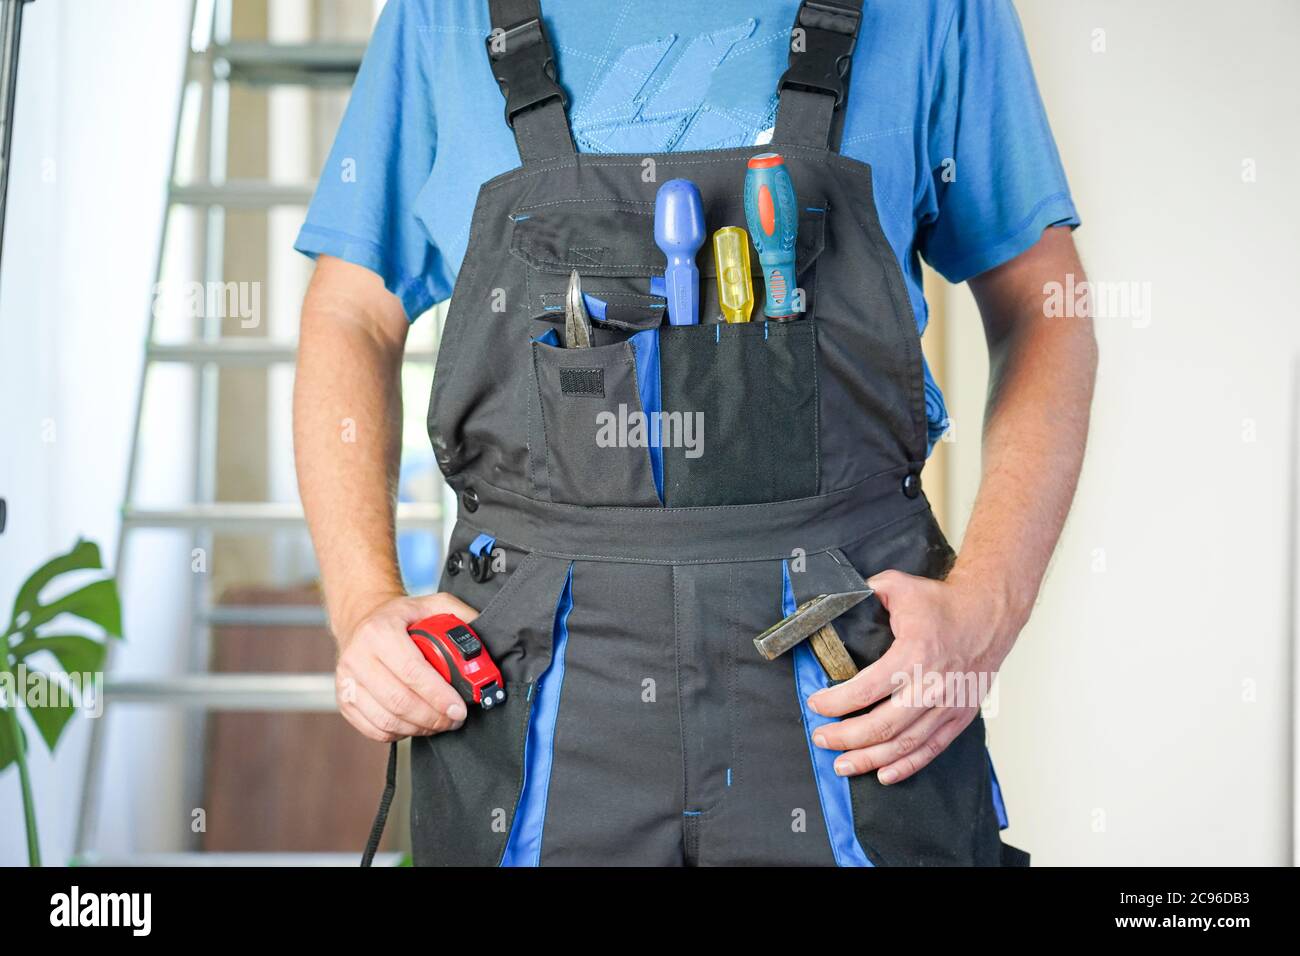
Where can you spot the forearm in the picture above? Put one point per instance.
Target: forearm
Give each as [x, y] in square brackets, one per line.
[347, 439]
[1041, 381]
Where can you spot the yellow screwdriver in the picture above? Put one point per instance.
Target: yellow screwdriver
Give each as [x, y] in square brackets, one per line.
[735, 284]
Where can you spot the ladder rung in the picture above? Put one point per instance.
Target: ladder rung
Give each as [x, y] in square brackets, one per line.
[293, 692]
[235, 859]
[298, 64]
[234, 517]
[268, 615]
[256, 352]
[245, 193]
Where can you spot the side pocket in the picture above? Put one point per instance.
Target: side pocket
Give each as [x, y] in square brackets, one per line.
[741, 413]
[466, 783]
[589, 437]
[945, 814]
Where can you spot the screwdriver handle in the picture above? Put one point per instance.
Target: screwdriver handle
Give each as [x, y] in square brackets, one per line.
[773, 219]
[679, 232]
[731, 262]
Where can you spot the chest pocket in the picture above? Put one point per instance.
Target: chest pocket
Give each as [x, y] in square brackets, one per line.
[610, 242]
[732, 412]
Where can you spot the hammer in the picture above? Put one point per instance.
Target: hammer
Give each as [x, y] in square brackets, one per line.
[811, 621]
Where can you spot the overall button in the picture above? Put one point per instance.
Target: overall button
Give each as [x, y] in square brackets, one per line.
[455, 563]
[912, 485]
[469, 498]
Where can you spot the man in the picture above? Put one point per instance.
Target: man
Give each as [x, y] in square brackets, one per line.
[942, 106]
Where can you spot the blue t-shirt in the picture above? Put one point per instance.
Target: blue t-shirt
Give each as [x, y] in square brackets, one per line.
[942, 105]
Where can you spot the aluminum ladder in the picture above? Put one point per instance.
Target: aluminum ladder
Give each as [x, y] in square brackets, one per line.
[216, 62]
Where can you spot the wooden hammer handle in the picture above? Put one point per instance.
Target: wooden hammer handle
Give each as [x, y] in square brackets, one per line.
[832, 654]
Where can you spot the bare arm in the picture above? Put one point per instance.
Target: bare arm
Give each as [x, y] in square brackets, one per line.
[1040, 392]
[1041, 374]
[347, 414]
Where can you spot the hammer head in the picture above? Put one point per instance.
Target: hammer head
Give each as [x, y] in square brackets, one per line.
[809, 618]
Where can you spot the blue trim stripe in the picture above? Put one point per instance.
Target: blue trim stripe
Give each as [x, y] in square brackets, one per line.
[524, 847]
[595, 307]
[645, 347]
[832, 789]
[999, 806]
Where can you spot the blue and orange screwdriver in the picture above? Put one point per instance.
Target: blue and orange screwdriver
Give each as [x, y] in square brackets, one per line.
[773, 221]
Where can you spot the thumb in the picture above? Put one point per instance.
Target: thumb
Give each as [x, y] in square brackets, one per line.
[889, 585]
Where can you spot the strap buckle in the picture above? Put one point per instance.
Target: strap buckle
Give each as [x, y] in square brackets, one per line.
[524, 66]
[831, 33]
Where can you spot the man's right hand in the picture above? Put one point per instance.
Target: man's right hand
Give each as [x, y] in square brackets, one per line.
[385, 687]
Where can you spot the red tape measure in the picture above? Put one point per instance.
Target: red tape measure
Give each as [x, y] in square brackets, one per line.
[457, 653]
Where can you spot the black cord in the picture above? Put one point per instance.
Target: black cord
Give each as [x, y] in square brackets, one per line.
[385, 801]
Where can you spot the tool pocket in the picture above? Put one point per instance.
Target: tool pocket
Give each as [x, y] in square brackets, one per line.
[589, 433]
[740, 413]
[466, 783]
[611, 245]
[944, 815]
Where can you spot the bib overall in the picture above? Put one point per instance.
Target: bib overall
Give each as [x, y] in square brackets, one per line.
[623, 567]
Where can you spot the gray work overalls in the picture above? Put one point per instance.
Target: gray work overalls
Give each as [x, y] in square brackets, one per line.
[642, 726]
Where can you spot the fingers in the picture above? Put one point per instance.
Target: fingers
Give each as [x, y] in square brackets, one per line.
[944, 734]
[884, 723]
[354, 716]
[392, 726]
[911, 750]
[397, 698]
[865, 750]
[868, 686]
[403, 661]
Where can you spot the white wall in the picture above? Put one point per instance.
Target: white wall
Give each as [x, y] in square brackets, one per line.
[96, 102]
[1144, 716]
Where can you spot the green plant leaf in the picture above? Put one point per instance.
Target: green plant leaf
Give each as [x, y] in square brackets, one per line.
[75, 653]
[83, 556]
[51, 721]
[96, 602]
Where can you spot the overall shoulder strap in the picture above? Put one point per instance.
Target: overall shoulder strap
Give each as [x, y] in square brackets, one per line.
[524, 66]
[816, 82]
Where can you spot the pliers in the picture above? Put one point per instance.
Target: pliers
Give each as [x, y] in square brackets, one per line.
[577, 324]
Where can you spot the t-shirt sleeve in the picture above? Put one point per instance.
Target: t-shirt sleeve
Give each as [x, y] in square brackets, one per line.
[996, 180]
[363, 210]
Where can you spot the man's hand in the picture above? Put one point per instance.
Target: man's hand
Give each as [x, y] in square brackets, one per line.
[1040, 393]
[385, 687]
[942, 629]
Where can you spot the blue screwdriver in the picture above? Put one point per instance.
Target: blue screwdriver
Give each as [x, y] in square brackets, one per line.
[773, 225]
[679, 232]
